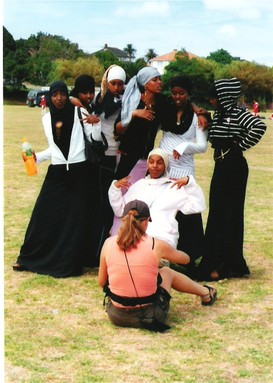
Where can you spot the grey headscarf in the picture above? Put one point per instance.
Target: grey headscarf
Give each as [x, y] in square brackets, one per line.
[132, 93]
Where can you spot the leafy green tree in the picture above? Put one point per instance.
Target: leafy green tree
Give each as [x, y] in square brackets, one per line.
[221, 56]
[131, 68]
[257, 80]
[9, 45]
[130, 50]
[200, 71]
[68, 71]
[43, 50]
[14, 61]
[107, 58]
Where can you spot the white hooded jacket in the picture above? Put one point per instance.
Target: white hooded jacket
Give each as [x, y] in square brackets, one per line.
[164, 202]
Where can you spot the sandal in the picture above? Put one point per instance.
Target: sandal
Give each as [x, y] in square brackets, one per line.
[212, 294]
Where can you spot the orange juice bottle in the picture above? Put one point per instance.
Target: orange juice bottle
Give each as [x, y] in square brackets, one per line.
[28, 158]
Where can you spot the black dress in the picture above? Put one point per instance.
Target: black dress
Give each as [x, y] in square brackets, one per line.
[59, 239]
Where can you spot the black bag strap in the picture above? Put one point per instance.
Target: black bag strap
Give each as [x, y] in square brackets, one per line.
[80, 116]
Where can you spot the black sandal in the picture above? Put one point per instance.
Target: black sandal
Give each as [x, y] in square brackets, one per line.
[212, 294]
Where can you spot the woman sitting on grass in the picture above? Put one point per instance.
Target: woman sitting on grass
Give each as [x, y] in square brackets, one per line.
[164, 196]
[139, 292]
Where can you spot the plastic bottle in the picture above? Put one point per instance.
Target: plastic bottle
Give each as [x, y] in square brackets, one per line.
[28, 158]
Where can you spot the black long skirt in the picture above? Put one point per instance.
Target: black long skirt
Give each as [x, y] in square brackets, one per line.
[224, 234]
[64, 232]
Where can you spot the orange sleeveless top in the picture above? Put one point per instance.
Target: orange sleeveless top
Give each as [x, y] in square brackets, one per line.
[143, 265]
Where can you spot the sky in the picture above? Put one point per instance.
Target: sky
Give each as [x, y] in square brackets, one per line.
[242, 27]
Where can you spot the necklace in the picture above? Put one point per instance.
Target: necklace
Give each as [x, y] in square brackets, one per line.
[148, 104]
[58, 126]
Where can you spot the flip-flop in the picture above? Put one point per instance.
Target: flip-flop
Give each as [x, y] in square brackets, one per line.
[213, 295]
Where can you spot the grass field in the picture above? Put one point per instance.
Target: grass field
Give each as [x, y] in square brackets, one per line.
[57, 331]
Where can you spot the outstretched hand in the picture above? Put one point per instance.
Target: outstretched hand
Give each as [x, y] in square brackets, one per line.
[146, 114]
[90, 118]
[176, 155]
[123, 183]
[180, 182]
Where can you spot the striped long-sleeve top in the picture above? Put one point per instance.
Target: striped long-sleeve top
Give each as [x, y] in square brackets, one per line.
[231, 123]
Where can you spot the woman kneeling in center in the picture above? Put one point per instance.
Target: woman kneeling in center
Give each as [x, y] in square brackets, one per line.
[139, 292]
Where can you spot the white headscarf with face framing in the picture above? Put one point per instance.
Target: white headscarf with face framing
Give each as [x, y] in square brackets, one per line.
[114, 72]
[165, 158]
[132, 93]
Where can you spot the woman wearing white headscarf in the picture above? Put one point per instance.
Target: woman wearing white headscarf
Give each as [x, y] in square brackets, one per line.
[107, 107]
[165, 197]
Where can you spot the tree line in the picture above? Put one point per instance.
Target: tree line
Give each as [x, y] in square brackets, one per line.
[43, 58]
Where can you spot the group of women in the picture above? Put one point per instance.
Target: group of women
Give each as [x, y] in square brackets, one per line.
[73, 214]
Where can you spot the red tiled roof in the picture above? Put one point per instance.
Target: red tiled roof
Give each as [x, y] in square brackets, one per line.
[171, 56]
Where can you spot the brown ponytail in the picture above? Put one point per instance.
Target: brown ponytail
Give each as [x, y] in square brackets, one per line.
[131, 231]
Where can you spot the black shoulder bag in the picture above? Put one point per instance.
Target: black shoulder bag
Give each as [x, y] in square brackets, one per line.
[94, 150]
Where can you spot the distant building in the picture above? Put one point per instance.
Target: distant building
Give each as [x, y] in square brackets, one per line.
[160, 62]
[120, 54]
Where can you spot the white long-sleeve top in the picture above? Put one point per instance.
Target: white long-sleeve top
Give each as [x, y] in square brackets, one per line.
[107, 127]
[163, 201]
[77, 145]
[193, 141]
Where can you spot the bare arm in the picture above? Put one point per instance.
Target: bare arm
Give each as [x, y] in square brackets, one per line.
[103, 274]
[75, 101]
[203, 115]
[164, 250]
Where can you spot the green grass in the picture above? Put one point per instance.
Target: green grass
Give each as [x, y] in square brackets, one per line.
[57, 331]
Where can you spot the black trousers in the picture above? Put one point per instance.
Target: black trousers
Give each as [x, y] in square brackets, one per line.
[125, 165]
[191, 235]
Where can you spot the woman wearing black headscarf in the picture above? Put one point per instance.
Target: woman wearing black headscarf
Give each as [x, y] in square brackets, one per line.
[59, 238]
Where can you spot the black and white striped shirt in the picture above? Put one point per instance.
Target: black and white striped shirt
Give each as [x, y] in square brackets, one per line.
[231, 123]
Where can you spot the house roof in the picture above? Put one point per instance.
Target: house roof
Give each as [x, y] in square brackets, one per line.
[171, 56]
[116, 51]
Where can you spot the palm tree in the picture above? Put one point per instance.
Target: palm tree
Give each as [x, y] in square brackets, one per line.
[132, 68]
[130, 50]
[150, 54]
